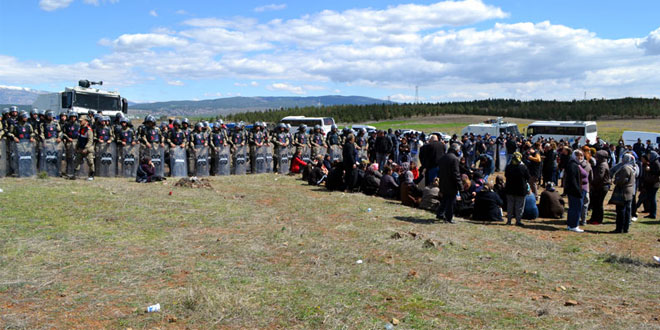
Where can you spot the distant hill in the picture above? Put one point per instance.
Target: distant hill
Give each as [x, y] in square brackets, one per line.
[224, 106]
[18, 95]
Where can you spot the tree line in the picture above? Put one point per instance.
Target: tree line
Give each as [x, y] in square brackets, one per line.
[538, 109]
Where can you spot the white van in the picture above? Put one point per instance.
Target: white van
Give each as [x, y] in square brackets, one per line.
[494, 127]
[295, 121]
[630, 137]
[564, 130]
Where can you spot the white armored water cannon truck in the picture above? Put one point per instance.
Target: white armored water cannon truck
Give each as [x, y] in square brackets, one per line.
[83, 98]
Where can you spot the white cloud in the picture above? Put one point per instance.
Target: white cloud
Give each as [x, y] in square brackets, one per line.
[143, 41]
[153, 13]
[271, 7]
[175, 83]
[181, 12]
[651, 44]
[434, 46]
[50, 5]
[286, 87]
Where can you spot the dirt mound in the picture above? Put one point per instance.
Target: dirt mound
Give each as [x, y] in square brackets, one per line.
[194, 182]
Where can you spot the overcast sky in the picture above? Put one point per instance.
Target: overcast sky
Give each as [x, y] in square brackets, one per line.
[157, 50]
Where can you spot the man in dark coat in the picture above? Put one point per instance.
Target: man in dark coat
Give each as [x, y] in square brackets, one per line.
[450, 183]
[429, 156]
[600, 185]
[349, 159]
[383, 148]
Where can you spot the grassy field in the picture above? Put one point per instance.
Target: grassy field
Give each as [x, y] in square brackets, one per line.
[267, 251]
[610, 130]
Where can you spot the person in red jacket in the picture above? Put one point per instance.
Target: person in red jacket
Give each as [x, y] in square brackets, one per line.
[297, 164]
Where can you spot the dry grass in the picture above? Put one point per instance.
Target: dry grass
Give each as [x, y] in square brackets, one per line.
[267, 251]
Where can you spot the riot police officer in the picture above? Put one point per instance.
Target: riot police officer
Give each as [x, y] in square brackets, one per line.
[258, 138]
[151, 134]
[317, 141]
[125, 136]
[50, 129]
[217, 140]
[333, 138]
[197, 141]
[300, 138]
[176, 136]
[103, 132]
[281, 141]
[70, 131]
[85, 148]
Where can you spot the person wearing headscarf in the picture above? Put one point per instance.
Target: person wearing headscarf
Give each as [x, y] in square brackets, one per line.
[410, 194]
[517, 178]
[600, 185]
[586, 164]
[431, 196]
[573, 189]
[624, 180]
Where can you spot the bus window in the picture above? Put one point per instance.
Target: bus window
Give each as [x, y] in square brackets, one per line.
[328, 121]
[591, 129]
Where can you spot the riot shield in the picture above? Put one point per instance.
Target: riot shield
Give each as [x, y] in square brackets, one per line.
[222, 159]
[240, 160]
[316, 151]
[306, 154]
[178, 162]
[362, 155]
[501, 158]
[106, 160]
[70, 154]
[4, 164]
[260, 159]
[50, 158]
[128, 161]
[283, 160]
[335, 153]
[157, 154]
[25, 159]
[269, 159]
[202, 161]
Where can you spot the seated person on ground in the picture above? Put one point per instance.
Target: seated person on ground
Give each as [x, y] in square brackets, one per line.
[551, 205]
[388, 187]
[465, 202]
[146, 171]
[487, 205]
[297, 164]
[335, 179]
[410, 194]
[371, 181]
[530, 212]
[431, 196]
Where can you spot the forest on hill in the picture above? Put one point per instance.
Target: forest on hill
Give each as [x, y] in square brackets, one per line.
[538, 109]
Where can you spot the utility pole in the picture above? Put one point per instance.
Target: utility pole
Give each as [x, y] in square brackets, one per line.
[417, 94]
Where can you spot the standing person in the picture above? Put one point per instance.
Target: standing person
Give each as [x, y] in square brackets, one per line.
[350, 161]
[257, 139]
[383, 147]
[651, 183]
[624, 180]
[549, 163]
[280, 140]
[517, 178]
[395, 145]
[586, 183]
[600, 185]
[301, 139]
[429, 156]
[573, 189]
[533, 162]
[317, 141]
[85, 148]
[450, 183]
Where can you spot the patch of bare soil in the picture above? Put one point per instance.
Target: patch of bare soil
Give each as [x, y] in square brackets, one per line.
[194, 182]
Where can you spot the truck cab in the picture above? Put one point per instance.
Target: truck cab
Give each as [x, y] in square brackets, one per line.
[83, 98]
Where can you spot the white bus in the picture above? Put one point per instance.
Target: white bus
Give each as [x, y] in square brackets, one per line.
[564, 130]
[295, 121]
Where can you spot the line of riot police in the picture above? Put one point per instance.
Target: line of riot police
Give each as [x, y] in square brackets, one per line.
[92, 145]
